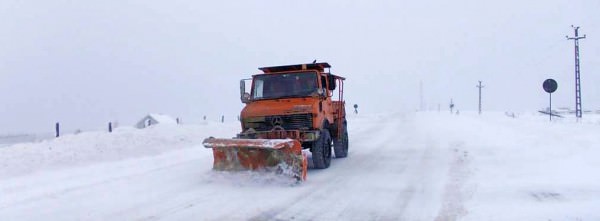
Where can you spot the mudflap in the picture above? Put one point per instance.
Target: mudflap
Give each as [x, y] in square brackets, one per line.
[281, 156]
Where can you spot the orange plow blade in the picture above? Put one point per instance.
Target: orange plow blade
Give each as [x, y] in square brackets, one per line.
[282, 156]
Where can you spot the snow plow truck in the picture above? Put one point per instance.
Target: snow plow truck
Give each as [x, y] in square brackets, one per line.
[288, 109]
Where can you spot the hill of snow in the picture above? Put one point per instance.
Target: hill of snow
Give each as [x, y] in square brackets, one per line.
[75, 150]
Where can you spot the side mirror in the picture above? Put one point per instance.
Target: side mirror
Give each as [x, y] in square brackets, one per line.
[244, 96]
[332, 82]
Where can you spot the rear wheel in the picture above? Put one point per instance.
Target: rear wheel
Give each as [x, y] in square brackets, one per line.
[321, 150]
[340, 144]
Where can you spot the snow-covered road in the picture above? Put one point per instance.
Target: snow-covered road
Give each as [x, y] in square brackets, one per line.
[400, 167]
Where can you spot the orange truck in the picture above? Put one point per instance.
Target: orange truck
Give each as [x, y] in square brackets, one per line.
[288, 109]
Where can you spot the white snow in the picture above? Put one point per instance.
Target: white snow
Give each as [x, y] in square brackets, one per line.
[163, 118]
[256, 143]
[403, 166]
[74, 150]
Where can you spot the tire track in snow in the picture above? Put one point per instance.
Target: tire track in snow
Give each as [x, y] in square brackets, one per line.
[348, 176]
[308, 195]
[455, 192]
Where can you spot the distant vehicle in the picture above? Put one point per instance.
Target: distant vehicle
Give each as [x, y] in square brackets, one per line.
[289, 108]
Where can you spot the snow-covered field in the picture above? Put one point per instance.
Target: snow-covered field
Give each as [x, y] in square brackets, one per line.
[405, 166]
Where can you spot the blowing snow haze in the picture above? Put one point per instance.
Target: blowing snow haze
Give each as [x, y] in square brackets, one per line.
[85, 63]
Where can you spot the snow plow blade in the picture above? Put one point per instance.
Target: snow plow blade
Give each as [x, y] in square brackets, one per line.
[282, 156]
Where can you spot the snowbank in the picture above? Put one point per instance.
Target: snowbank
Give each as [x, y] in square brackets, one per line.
[524, 168]
[74, 150]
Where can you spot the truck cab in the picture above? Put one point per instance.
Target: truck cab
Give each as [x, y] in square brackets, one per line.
[302, 102]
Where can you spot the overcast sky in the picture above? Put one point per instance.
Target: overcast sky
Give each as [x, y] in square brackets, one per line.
[85, 63]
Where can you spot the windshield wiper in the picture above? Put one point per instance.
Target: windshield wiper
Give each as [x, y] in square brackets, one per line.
[295, 96]
[282, 97]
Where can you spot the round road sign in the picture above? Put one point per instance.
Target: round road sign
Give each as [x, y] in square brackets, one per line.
[550, 85]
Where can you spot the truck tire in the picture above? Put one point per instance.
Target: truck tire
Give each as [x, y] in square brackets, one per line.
[340, 144]
[321, 150]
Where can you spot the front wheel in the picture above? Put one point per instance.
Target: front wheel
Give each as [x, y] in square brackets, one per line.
[321, 150]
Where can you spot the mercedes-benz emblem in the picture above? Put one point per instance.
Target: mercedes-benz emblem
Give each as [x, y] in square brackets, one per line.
[277, 121]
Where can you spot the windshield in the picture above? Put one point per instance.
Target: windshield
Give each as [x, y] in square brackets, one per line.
[269, 86]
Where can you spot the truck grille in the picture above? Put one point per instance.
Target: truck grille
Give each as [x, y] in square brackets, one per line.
[288, 122]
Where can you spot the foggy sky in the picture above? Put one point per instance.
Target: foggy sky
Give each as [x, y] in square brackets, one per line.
[85, 63]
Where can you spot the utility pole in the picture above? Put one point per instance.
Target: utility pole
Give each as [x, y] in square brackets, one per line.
[422, 104]
[577, 76]
[480, 86]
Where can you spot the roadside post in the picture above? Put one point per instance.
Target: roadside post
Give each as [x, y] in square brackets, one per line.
[57, 129]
